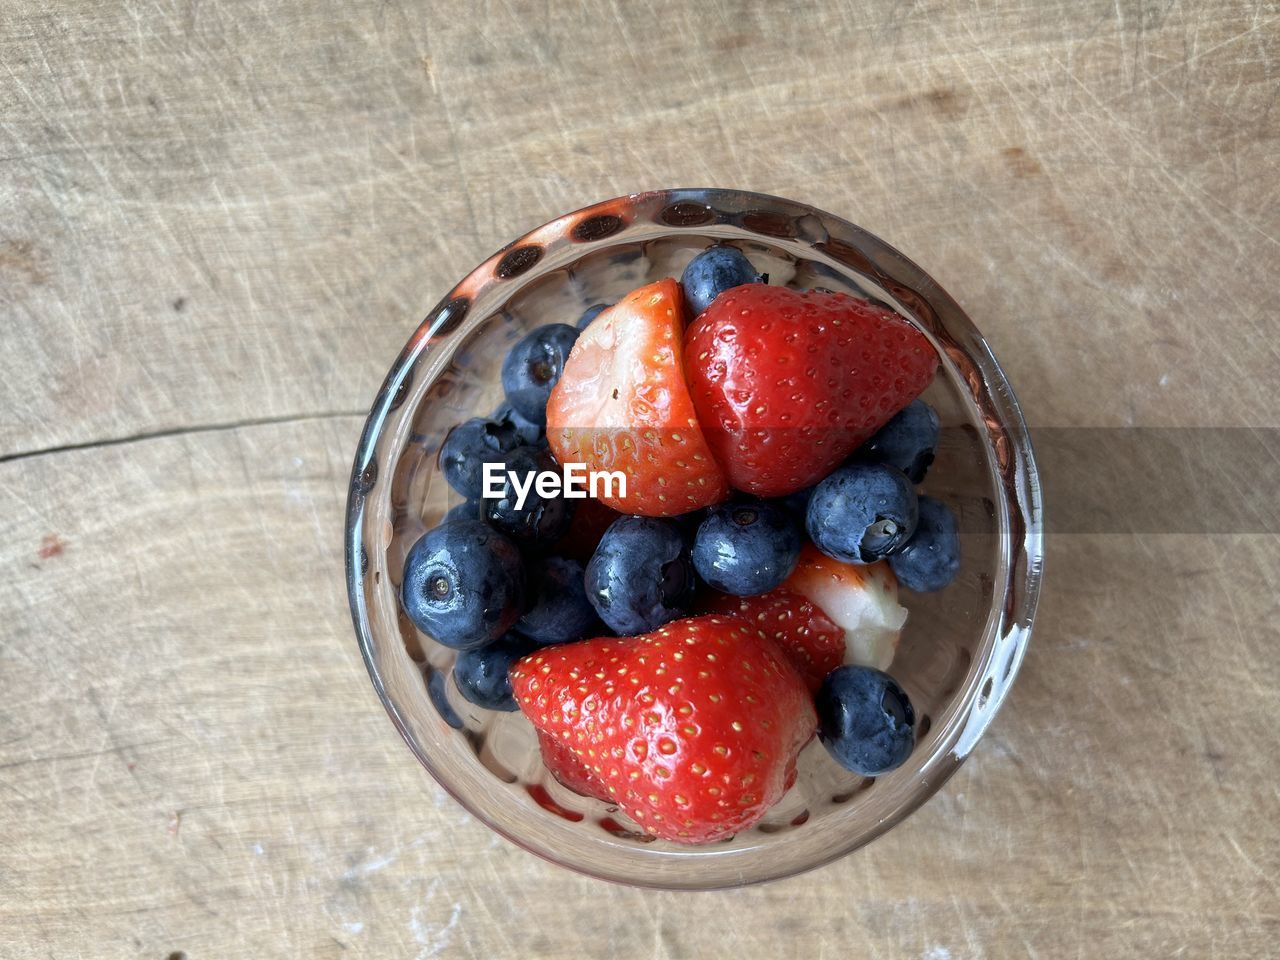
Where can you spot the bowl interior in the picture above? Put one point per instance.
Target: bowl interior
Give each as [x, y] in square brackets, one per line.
[960, 647]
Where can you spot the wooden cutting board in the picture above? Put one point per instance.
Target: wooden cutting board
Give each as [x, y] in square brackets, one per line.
[220, 220]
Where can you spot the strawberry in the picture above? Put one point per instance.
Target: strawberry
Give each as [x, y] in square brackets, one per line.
[693, 730]
[786, 384]
[814, 644]
[862, 600]
[622, 405]
[568, 768]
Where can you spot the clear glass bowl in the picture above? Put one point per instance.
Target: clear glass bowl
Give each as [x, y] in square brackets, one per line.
[961, 647]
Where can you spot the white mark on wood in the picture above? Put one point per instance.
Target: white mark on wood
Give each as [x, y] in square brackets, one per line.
[374, 864]
[433, 937]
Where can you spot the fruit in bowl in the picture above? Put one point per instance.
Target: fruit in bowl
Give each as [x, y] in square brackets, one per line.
[765, 443]
[522, 564]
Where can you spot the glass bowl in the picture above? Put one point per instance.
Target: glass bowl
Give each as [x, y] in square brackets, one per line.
[961, 647]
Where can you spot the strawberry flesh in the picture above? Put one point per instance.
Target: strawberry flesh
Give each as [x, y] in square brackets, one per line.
[622, 405]
[860, 599]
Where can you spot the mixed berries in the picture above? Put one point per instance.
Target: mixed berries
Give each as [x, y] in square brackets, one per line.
[676, 641]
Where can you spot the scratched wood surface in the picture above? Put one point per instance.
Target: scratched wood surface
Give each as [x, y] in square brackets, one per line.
[220, 220]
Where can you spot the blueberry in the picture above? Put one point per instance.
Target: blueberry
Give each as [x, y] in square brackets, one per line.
[481, 674]
[533, 366]
[798, 502]
[690, 522]
[907, 441]
[865, 720]
[440, 700]
[747, 548]
[640, 576]
[528, 433]
[538, 519]
[862, 512]
[469, 446]
[463, 584]
[591, 313]
[931, 558]
[559, 611]
[714, 271]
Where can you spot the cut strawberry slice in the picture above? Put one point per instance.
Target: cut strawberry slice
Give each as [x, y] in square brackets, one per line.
[861, 600]
[622, 405]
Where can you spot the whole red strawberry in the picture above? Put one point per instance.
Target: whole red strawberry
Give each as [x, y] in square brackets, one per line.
[621, 405]
[810, 639]
[787, 384]
[693, 730]
[570, 769]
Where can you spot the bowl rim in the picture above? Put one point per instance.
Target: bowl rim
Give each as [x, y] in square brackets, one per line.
[1006, 443]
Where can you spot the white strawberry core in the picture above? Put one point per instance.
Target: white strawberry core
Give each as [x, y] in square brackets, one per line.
[867, 609]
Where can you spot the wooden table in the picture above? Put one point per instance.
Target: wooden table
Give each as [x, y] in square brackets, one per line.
[219, 221]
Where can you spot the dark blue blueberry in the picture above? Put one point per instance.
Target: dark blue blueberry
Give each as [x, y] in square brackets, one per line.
[865, 720]
[714, 271]
[536, 519]
[689, 522]
[747, 548]
[440, 699]
[463, 584]
[469, 446]
[862, 513]
[798, 502]
[559, 611]
[466, 510]
[591, 313]
[481, 675]
[907, 442]
[533, 366]
[931, 558]
[528, 433]
[641, 576]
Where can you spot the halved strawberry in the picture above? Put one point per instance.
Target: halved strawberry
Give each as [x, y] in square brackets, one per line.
[861, 600]
[787, 384]
[622, 405]
[812, 641]
[693, 730]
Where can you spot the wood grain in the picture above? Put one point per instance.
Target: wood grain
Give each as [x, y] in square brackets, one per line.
[219, 222]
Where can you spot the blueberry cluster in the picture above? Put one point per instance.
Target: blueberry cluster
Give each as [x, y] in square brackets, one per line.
[485, 581]
[868, 510]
